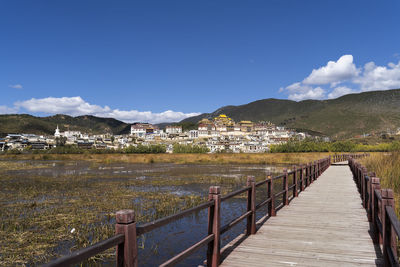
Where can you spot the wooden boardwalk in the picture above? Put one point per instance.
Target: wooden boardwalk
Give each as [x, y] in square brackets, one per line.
[325, 226]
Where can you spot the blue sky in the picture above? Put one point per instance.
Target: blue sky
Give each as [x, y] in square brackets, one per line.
[166, 60]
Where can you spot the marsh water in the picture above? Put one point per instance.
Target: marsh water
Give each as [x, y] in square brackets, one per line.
[180, 181]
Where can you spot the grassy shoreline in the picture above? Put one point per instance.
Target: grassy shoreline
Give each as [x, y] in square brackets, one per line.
[242, 158]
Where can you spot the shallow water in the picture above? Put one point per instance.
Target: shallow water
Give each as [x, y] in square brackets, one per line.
[188, 179]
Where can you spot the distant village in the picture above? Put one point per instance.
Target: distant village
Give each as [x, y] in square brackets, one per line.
[220, 134]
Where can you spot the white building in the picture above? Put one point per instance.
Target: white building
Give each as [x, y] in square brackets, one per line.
[139, 129]
[72, 134]
[171, 129]
[193, 134]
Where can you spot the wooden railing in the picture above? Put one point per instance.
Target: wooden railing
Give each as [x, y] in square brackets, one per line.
[380, 207]
[345, 157]
[127, 232]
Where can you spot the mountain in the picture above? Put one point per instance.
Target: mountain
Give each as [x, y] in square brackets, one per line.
[343, 117]
[346, 116]
[23, 123]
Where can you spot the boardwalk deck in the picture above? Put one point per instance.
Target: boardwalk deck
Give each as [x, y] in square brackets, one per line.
[325, 226]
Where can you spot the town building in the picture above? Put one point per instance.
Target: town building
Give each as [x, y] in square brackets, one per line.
[141, 129]
[193, 134]
[173, 129]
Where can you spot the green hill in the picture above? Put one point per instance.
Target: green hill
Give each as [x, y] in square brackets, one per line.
[346, 116]
[23, 123]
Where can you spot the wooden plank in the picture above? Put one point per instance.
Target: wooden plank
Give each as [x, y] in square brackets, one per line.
[325, 226]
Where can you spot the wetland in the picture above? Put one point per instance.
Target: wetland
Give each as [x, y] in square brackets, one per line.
[54, 205]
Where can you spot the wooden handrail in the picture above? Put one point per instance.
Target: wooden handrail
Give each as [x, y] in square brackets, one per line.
[262, 204]
[85, 253]
[235, 193]
[394, 221]
[188, 252]
[278, 177]
[127, 231]
[147, 227]
[379, 204]
[235, 221]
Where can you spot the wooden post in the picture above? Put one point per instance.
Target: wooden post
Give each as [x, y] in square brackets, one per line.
[377, 215]
[214, 225]
[251, 206]
[388, 238]
[364, 186]
[126, 254]
[271, 206]
[357, 176]
[320, 168]
[285, 199]
[370, 193]
[301, 178]
[312, 171]
[375, 184]
[362, 191]
[315, 170]
[296, 184]
[322, 165]
[307, 174]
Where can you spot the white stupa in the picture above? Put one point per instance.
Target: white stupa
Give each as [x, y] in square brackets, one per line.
[57, 133]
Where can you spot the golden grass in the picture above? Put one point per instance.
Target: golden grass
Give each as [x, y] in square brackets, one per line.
[10, 165]
[387, 167]
[242, 158]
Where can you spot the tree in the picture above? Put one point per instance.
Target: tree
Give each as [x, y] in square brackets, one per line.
[60, 141]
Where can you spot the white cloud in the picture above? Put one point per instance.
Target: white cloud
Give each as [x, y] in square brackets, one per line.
[298, 91]
[369, 78]
[148, 116]
[339, 91]
[310, 93]
[73, 106]
[379, 77]
[334, 72]
[295, 87]
[76, 106]
[8, 110]
[16, 86]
